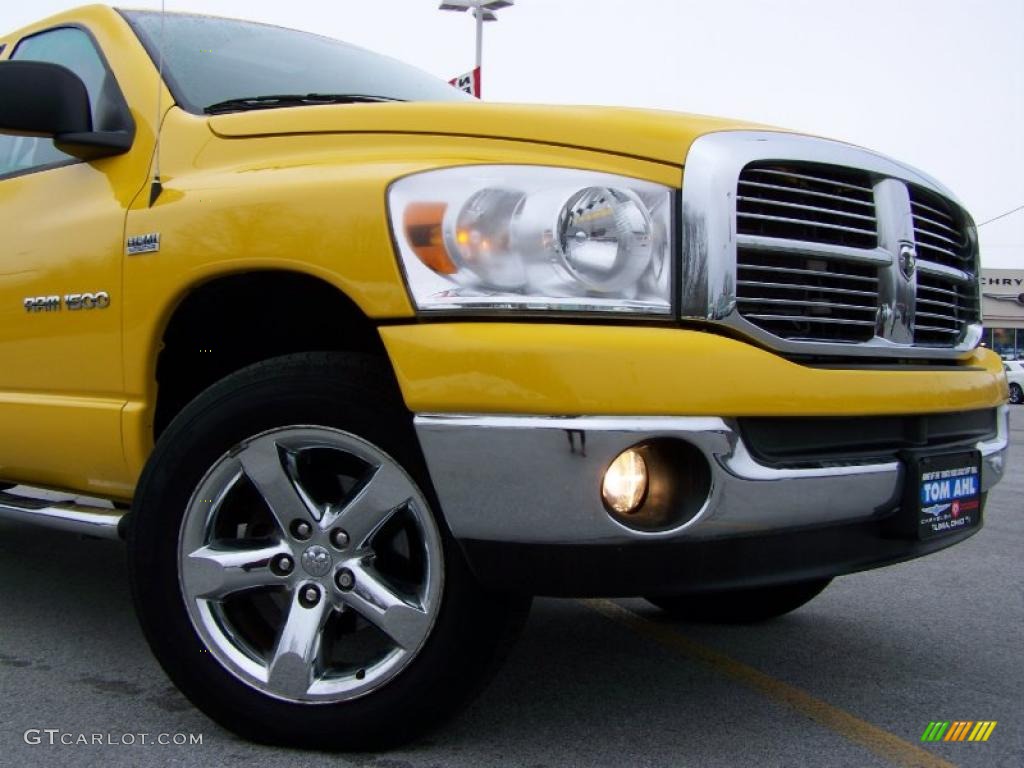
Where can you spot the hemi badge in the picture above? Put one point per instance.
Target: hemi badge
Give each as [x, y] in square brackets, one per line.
[144, 243]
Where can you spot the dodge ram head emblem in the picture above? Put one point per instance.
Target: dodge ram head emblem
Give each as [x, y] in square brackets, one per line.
[908, 260]
[316, 561]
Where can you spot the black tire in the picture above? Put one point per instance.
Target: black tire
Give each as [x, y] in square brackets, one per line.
[1016, 394]
[471, 632]
[739, 606]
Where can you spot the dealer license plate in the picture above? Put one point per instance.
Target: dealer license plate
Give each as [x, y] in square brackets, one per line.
[948, 493]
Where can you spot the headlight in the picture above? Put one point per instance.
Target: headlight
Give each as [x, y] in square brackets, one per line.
[524, 237]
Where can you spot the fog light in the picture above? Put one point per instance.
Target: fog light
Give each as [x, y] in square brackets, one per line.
[657, 485]
[625, 482]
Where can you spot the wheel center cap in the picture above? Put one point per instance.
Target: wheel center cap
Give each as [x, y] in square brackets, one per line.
[316, 561]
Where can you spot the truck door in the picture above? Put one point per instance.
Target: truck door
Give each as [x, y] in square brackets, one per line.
[61, 249]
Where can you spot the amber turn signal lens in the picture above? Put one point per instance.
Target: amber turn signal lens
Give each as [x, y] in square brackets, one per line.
[422, 223]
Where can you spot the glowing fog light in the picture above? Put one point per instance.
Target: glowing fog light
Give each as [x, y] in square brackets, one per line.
[625, 482]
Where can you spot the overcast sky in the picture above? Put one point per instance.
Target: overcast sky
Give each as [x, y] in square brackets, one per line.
[936, 83]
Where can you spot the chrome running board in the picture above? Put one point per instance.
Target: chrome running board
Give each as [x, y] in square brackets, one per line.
[61, 515]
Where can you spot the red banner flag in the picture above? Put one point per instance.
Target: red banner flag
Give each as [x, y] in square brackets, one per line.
[469, 82]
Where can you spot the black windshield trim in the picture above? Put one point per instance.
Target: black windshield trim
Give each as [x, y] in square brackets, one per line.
[275, 101]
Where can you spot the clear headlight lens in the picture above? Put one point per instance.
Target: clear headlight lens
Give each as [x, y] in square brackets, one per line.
[508, 237]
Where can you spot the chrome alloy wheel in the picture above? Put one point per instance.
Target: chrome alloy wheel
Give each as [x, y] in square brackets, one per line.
[310, 564]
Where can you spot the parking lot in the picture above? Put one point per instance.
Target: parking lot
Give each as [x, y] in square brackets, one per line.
[852, 679]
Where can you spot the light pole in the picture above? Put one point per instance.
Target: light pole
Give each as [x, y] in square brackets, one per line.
[483, 10]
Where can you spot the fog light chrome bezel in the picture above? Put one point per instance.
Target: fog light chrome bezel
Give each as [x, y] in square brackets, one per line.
[678, 486]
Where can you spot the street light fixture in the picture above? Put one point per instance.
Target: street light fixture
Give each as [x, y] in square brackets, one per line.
[483, 10]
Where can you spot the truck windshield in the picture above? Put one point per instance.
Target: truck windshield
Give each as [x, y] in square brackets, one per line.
[209, 61]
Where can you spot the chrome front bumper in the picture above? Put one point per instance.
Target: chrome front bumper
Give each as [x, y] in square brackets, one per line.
[536, 480]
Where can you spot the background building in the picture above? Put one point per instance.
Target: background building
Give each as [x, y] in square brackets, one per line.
[1002, 310]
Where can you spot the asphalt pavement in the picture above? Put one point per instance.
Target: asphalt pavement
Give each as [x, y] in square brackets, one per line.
[851, 679]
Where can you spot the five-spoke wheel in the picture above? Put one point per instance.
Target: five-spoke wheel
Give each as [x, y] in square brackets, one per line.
[310, 564]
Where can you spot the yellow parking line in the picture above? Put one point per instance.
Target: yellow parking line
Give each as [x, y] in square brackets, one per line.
[881, 742]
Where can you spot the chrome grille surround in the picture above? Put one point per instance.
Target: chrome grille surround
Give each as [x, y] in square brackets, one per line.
[826, 249]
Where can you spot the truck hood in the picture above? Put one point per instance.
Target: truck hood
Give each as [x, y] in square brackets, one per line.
[648, 134]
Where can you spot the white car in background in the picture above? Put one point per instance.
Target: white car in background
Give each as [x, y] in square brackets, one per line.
[1015, 374]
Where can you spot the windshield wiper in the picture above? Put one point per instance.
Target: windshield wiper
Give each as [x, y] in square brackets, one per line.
[293, 100]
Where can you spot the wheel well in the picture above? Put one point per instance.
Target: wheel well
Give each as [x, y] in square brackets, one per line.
[229, 323]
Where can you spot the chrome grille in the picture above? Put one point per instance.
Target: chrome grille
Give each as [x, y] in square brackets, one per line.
[940, 234]
[944, 305]
[815, 247]
[944, 302]
[800, 296]
[811, 203]
[807, 298]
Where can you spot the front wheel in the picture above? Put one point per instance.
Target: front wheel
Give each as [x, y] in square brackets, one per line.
[1016, 394]
[290, 572]
[740, 606]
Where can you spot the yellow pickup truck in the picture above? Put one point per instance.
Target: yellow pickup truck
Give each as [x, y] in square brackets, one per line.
[356, 364]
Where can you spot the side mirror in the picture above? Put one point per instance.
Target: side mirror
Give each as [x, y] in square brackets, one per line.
[42, 99]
